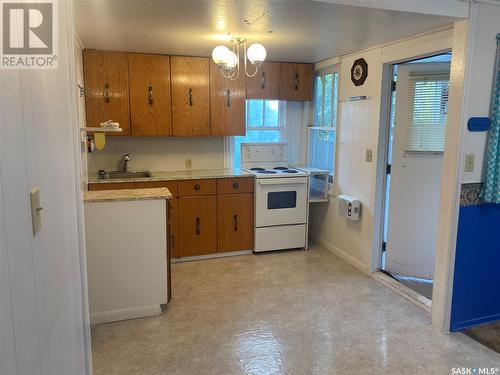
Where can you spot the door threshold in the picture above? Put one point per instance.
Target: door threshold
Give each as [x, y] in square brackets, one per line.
[407, 293]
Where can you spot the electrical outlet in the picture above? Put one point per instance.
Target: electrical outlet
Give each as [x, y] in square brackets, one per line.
[189, 163]
[369, 155]
[469, 163]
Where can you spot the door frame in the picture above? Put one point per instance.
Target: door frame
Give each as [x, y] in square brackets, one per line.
[451, 176]
[430, 69]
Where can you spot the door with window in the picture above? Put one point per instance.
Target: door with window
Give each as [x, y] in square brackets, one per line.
[416, 157]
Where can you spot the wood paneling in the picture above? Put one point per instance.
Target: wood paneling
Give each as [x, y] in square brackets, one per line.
[190, 95]
[227, 103]
[111, 186]
[296, 82]
[150, 94]
[197, 225]
[107, 88]
[235, 185]
[235, 222]
[197, 187]
[266, 83]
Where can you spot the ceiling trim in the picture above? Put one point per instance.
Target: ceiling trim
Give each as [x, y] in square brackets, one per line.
[450, 8]
[338, 59]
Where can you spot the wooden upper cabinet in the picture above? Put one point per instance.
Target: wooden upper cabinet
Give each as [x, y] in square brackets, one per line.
[296, 82]
[107, 88]
[266, 83]
[227, 103]
[190, 95]
[150, 104]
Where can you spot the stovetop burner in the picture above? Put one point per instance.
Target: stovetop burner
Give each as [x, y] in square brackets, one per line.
[264, 171]
[257, 169]
[281, 168]
[290, 171]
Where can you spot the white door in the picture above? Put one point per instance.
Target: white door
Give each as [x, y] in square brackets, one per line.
[42, 328]
[416, 167]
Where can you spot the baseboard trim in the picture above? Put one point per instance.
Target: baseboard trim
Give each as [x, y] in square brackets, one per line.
[473, 322]
[342, 254]
[404, 291]
[124, 314]
[212, 256]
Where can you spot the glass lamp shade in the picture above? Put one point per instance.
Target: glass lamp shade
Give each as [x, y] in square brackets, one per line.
[231, 60]
[220, 55]
[256, 53]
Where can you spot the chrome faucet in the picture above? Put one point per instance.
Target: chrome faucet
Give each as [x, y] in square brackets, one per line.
[126, 159]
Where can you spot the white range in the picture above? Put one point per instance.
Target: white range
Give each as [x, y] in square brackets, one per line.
[281, 197]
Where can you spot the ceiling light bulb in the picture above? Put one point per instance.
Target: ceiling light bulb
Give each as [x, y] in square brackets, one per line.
[231, 59]
[256, 53]
[220, 55]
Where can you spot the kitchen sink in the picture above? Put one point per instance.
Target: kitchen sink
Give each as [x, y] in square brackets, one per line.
[119, 175]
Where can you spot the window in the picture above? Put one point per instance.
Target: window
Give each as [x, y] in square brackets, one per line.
[427, 114]
[322, 133]
[264, 123]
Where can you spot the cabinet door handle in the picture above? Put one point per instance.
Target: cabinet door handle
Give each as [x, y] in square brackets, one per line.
[198, 225]
[263, 80]
[296, 81]
[197, 187]
[107, 95]
[190, 97]
[235, 219]
[150, 95]
[172, 241]
[228, 99]
[236, 185]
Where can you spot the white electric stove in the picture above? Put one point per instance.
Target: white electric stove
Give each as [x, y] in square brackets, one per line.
[281, 197]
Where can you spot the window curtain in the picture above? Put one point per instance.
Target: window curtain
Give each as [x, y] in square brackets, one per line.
[491, 189]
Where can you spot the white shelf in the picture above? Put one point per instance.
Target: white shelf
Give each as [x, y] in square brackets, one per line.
[104, 130]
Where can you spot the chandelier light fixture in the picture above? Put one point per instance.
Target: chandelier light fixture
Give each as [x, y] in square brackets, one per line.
[228, 59]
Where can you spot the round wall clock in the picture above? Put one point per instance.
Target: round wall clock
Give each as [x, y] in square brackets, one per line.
[359, 72]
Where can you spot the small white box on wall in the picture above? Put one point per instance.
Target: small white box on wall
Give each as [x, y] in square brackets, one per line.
[349, 207]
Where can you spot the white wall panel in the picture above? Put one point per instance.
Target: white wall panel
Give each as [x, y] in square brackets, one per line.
[37, 150]
[484, 25]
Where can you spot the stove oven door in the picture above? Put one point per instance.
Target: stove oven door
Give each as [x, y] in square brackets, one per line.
[280, 201]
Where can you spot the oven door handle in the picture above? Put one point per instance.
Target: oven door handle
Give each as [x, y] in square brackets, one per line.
[283, 181]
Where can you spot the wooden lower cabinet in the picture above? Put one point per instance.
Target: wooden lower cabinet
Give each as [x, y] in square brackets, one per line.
[205, 216]
[197, 225]
[235, 222]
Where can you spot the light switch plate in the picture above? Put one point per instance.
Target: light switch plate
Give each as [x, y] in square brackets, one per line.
[36, 211]
[369, 155]
[469, 163]
[189, 163]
